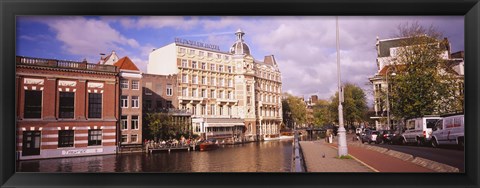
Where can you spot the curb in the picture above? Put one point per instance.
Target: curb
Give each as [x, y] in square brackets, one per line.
[426, 163]
[361, 162]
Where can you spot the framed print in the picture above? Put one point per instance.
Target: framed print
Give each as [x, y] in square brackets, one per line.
[240, 93]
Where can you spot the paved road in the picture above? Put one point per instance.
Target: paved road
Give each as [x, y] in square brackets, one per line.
[452, 157]
[447, 155]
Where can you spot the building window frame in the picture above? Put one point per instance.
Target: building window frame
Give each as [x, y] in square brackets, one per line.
[95, 137]
[135, 101]
[169, 89]
[66, 138]
[124, 84]
[95, 102]
[135, 84]
[124, 122]
[134, 122]
[124, 101]
[33, 104]
[66, 107]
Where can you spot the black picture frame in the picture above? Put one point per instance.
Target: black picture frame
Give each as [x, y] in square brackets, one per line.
[11, 8]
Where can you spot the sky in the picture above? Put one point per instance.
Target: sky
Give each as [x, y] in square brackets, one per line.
[304, 46]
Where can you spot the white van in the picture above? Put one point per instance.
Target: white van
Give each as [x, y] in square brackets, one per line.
[419, 130]
[449, 130]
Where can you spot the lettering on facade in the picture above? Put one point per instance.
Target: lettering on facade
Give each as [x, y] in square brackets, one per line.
[197, 44]
[82, 151]
[95, 85]
[67, 83]
[33, 81]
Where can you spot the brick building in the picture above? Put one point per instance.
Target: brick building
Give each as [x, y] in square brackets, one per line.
[65, 108]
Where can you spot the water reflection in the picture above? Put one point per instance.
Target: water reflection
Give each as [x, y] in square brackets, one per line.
[271, 156]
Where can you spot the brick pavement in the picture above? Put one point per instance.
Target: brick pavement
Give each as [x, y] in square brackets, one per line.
[313, 155]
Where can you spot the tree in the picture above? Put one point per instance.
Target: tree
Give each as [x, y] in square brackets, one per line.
[160, 125]
[354, 105]
[321, 113]
[294, 111]
[424, 83]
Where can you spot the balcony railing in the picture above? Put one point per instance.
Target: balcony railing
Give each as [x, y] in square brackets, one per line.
[64, 64]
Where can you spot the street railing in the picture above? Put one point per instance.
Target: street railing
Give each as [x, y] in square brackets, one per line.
[297, 161]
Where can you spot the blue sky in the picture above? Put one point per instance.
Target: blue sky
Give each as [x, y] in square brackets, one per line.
[304, 47]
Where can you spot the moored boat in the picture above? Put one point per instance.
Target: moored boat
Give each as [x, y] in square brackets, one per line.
[206, 146]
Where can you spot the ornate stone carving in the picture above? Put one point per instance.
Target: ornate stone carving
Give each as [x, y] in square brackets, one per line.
[95, 85]
[67, 83]
[33, 81]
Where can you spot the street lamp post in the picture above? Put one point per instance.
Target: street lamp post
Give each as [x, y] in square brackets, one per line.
[388, 101]
[342, 137]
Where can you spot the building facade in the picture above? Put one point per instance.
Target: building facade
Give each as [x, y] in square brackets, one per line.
[218, 85]
[386, 55]
[131, 121]
[65, 108]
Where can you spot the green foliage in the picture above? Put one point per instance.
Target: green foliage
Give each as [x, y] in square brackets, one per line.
[161, 125]
[354, 105]
[321, 114]
[424, 83]
[344, 157]
[294, 111]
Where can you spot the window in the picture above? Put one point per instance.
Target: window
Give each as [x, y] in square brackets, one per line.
[209, 54]
[124, 101]
[192, 52]
[123, 122]
[134, 138]
[135, 84]
[226, 57]
[212, 109]
[195, 79]
[222, 82]
[182, 50]
[202, 111]
[248, 88]
[169, 90]
[204, 93]
[94, 105]
[135, 102]
[194, 92]
[67, 104]
[230, 95]
[194, 64]
[33, 104]
[212, 93]
[184, 78]
[95, 137]
[204, 66]
[159, 104]
[200, 53]
[212, 67]
[229, 69]
[222, 95]
[212, 81]
[194, 109]
[148, 88]
[65, 138]
[124, 84]
[148, 104]
[134, 122]
[124, 138]
[221, 110]
[220, 68]
[184, 92]
[219, 56]
[248, 100]
[229, 110]
[184, 63]
[204, 80]
[230, 83]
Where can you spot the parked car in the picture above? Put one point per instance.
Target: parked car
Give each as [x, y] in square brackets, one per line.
[449, 131]
[369, 136]
[419, 130]
[385, 136]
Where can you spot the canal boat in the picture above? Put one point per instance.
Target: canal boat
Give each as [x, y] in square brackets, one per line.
[271, 137]
[208, 145]
[286, 135]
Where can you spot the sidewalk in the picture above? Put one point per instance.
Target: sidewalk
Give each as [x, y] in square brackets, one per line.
[315, 162]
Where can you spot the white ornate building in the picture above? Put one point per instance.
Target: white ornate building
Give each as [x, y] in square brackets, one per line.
[231, 95]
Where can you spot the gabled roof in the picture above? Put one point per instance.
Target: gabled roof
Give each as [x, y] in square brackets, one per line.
[126, 63]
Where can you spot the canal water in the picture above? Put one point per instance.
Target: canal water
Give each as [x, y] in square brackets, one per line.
[267, 156]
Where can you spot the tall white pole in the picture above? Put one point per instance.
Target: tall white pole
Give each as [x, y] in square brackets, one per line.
[342, 137]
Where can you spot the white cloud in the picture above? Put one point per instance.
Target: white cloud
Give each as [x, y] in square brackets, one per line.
[86, 37]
